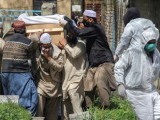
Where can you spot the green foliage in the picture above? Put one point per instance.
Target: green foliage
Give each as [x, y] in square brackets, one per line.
[12, 111]
[119, 110]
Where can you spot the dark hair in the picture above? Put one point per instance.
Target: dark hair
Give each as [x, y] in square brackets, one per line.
[21, 31]
[70, 35]
[132, 13]
[94, 19]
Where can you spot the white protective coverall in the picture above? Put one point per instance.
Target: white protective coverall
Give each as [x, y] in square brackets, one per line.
[136, 71]
[132, 34]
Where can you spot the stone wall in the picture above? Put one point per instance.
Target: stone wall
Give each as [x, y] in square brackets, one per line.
[120, 11]
[48, 8]
[113, 20]
[16, 4]
[64, 7]
[109, 22]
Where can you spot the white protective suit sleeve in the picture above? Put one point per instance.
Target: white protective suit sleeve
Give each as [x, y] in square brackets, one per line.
[121, 66]
[156, 65]
[125, 39]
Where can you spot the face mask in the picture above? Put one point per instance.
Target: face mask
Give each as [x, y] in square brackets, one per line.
[86, 23]
[150, 47]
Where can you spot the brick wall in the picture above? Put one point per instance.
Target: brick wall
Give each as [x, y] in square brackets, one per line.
[95, 5]
[109, 22]
[113, 20]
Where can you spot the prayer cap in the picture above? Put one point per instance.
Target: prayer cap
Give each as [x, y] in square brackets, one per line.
[90, 13]
[45, 38]
[18, 25]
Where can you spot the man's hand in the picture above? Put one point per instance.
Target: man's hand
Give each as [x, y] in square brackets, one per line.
[46, 55]
[62, 43]
[122, 91]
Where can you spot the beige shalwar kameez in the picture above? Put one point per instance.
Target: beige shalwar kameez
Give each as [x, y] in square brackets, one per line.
[73, 72]
[49, 85]
[99, 81]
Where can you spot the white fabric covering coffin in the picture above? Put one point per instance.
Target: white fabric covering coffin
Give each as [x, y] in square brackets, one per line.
[40, 19]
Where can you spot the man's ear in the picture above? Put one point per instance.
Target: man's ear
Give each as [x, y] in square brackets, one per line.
[90, 20]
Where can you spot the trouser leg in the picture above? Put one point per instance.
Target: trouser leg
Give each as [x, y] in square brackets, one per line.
[41, 104]
[156, 106]
[67, 109]
[90, 97]
[51, 107]
[89, 87]
[103, 93]
[76, 100]
[104, 78]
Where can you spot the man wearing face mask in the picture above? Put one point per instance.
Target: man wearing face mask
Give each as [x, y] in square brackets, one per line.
[132, 34]
[135, 72]
[100, 76]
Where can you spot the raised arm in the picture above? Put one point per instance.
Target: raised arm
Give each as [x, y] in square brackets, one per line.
[84, 33]
[57, 63]
[76, 51]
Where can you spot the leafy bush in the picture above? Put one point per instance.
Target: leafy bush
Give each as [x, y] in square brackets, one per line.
[119, 110]
[12, 111]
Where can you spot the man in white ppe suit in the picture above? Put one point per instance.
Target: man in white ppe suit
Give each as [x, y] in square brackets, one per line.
[134, 26]
[135, 72]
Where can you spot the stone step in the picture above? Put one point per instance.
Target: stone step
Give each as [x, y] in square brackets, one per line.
[9, 98]
[37, 118]
[80, 116]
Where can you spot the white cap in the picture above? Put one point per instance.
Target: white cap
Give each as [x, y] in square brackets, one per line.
[45, 38]
[89, 13]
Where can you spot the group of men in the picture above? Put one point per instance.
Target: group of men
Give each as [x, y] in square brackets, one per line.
[81, 67]
[48, 77]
